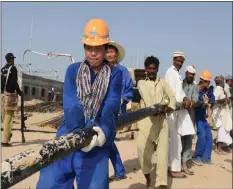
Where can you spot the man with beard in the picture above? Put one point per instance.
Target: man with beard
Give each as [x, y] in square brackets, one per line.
[229, 85]
[91, 96]
[229, 90]
[153, 130]
[204, 143]
[222, 116]
[191, 91]
[179, 122]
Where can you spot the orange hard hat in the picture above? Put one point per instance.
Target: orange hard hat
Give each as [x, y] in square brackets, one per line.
[205, 75]
[96, 33]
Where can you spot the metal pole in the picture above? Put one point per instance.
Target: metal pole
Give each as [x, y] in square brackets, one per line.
[30, 42]
[56, 75]
[28, 68]
[4, 53]
[138, 56]
[131, 61]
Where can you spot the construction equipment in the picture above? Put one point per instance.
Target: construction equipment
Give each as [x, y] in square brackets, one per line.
[49, 55]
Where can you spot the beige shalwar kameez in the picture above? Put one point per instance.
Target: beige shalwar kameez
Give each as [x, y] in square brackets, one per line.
[153, 130]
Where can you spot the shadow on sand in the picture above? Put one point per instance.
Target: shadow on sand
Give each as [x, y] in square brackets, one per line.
[28, 142]
[133, 165]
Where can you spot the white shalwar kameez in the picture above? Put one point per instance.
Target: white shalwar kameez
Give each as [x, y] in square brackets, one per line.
[179, 122]
[222, 117]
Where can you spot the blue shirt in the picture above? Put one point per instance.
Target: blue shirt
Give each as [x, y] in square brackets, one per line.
[73, 110]
[127, 87]
[127, 84]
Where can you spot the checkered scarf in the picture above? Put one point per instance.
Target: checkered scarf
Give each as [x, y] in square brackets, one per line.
[91, 96]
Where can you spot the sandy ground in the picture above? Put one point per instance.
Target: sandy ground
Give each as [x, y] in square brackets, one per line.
[218, 175]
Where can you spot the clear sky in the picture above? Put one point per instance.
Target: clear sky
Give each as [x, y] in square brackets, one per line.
[202, 30]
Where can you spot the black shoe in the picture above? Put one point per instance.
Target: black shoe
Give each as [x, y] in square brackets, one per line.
[6, 145]
[117, 178]
[120, 178]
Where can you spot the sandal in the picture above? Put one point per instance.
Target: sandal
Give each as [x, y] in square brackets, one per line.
[180, 176]
[188, 172]
[149, 187]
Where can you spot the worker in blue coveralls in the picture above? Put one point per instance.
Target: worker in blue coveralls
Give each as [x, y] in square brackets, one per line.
[115, 55]
[91, 96]
[204, 143]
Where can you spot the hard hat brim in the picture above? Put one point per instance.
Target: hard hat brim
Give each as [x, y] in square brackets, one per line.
[121, 50]
[205, 79]
[94, 44]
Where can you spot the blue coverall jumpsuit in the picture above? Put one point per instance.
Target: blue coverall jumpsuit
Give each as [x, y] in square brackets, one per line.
[127, 95]
[204, 143]
[90, 169]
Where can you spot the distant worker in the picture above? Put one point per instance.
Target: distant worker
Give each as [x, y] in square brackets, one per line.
[204, 143]
[115, 54]
[229, 86]
[222, 116]
[229, 89]
[52, 94]
[231, 133]
[9, 91]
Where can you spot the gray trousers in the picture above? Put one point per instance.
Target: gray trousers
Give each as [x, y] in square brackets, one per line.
[186, 153]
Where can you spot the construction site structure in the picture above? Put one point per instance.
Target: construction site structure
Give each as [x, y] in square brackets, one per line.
[136, 75]
[37, 87]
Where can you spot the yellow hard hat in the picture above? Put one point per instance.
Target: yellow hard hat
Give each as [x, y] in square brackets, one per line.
[205, 75]
[96, 33]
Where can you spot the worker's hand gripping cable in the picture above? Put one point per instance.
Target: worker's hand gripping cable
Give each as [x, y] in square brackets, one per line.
[97, 140]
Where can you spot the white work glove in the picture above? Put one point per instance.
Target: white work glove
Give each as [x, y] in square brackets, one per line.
[96, 140]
